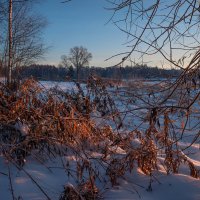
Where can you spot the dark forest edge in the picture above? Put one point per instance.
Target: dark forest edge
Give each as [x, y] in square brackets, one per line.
[53, 73]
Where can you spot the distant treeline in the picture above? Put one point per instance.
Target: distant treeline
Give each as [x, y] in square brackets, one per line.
[50, 72]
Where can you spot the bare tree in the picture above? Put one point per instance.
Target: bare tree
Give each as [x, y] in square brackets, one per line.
[65, 61]
[166, 28]
[162, 28]
[169, 29]
[2, 14]
[21, 41]
[78, 57]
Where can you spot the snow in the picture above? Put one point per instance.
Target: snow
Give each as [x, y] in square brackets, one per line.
[23, 128]
[61, 85]
[52, 176]
[171, 187]
[2, 79]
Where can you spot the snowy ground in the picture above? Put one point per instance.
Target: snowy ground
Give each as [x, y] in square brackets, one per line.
[52, 176]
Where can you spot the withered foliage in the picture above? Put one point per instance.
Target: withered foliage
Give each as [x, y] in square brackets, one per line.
[46, 124]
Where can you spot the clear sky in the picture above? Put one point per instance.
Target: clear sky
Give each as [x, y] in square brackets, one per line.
[84, 23]
[80, 22]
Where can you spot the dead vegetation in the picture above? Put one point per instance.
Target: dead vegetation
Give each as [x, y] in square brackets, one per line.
[50, 123]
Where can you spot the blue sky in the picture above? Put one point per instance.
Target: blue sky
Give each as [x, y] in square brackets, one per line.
[84, 23]
[80, 22]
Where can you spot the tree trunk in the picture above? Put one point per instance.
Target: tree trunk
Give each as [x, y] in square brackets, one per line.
[9, 75]
[77, 74]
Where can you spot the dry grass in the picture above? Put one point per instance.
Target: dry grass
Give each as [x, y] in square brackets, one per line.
[58, 123]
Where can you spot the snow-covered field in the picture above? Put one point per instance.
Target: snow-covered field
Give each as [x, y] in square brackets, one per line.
[52, 177]
[45, 179]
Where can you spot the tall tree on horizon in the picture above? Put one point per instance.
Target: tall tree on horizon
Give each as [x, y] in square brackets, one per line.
[78, 57]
